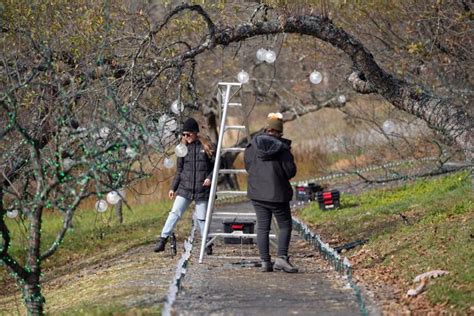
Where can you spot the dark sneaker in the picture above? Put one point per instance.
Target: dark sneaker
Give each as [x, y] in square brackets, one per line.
[283, 263]
[209, 250]
[267, 266]
[160, 246]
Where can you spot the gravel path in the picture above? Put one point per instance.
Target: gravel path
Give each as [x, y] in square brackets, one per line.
[228, 283]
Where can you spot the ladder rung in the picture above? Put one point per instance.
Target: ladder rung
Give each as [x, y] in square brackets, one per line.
[229, 84]
[236, 257]
[233, 214]
[232, 192]
[237, 233]
[232, 171]
[234, 104]
[233, 150]
[234, 127]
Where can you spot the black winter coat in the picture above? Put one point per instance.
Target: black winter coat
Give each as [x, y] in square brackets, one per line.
[270, 165]
[191, 172]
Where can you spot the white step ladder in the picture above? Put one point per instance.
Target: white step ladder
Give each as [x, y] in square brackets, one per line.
[226, 91]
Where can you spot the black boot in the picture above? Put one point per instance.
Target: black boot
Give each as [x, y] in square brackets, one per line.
[160, 246]
[267, 266]
[283, 263]
[209, 250]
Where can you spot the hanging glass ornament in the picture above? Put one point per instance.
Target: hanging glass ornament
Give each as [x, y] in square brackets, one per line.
[101, 206]
[131, 152]
[12, 213]
[167, 124]
[342, 99]
[270, 56]
[113, 197]
[177, 106]
[181, 150]
[243, 77]
[315, 77]
[261, 54]
[388, 127]
[104, 132]
[67, 163]
[168, 163]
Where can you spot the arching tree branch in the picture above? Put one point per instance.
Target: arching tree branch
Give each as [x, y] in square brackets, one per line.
[450, 120]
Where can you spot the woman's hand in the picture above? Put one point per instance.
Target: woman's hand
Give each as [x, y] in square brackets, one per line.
[171, 194]
[207, 183]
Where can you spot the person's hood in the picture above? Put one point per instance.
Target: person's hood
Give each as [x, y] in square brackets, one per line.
[269, 146]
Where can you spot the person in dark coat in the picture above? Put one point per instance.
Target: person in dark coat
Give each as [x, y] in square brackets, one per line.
[192, 181]
[270, 166]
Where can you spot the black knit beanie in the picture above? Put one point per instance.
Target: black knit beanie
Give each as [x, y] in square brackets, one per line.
[190, 125]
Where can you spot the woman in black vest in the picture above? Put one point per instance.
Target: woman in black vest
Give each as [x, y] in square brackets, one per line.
[192, 181]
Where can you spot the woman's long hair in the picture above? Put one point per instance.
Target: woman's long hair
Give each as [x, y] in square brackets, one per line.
[206, 144]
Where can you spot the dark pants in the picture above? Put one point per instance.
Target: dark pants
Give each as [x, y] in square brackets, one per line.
[264, 211]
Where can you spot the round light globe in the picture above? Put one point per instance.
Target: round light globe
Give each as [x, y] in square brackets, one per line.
[177, 107]
[168, 163]
[12, 214]
[243, 77]
[131, 152]
[270, 56]
[261, 54]
[181, 150]
[113, 197]
[388, 127]
[67, 163]
[101, 206]
[315, 77]
[342, 99]
[104, 132]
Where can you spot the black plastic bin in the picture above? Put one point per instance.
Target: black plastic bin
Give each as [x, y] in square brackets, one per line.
[245, 226]
[302, 193]
[328, 200]
[307, 192]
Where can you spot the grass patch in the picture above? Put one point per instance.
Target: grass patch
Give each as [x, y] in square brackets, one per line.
[421, 226]
[93, 233]
[94, 239]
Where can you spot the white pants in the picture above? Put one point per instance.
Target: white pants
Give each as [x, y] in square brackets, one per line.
[180, 205]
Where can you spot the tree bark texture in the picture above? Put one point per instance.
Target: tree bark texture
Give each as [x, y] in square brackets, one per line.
[118, 211]
[450, 120]
[33, 298]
